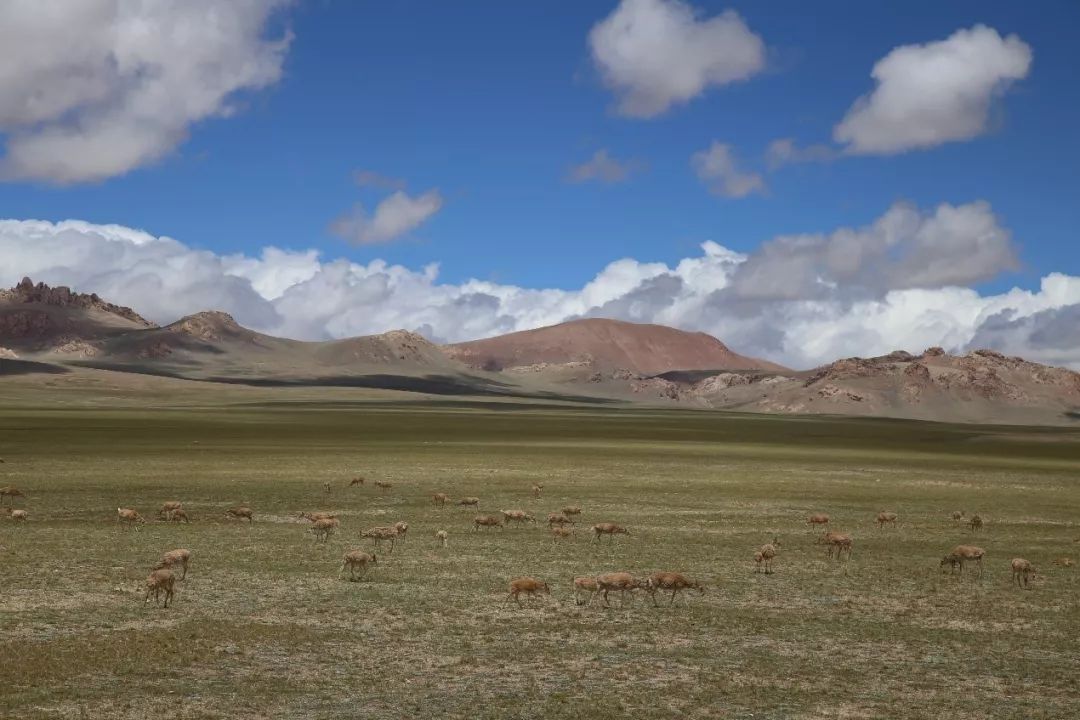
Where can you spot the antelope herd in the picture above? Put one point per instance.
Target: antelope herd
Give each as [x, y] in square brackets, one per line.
[586, 589]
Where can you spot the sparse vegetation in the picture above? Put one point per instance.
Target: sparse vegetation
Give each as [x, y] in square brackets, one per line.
[265, 627]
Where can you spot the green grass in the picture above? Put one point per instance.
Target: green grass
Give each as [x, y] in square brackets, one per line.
[263, 627]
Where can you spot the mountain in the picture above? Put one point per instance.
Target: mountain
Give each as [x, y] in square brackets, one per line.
[54, 331]
[605, 345]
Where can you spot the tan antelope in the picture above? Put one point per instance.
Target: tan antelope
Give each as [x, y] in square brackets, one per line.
[441, 536]
[179, 515]
[10, 491]
[165, 512]
[488, 521]
[324, 528]
[381, 534]
[623, 582]
[976, 523]
[536, 490]
[180, 556]
[383, 485]
[519, 516]
[584, 584]
[609, 529]
[818, 519]
[673, 581]
[439, 499]
[129, 518]
[529, 586]
[963, 554]
[571, 510]
[561, 532]
[16, 515]
[884, 518]
[158, 582]
[358, 480]
[958, 515]
[765, 555]
[314, 516]
[473, 502]
[838, 543]
[354, 560]
[1022, 570]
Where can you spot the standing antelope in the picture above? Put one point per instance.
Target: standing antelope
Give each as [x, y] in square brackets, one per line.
[517, 516]
[1022, 570]
[379, 534]
[571, 510]
[358, 480]
[558, 519]
[168, 508]
[624, 582]
[439, 499]
[528, 585]
[326, 487]
[16, 515]
[885, 517]
[976, 523]
[673, 581]
[441, 537]
[10, 491]
[765, 555]
[180, 556]
[962, 554]
[488, 521]
[160, 581]
[561, 532]
[609, 529]
[357, 559]
[537, 489]
[469, 502]
[838, 543]
[584, 584]
[818, 519]
[324, 528]
[958, 515]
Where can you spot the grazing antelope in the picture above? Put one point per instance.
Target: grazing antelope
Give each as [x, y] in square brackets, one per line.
[958, 515]
[357, 559]
[439, 499]
[818, 519]
[536, 490]
[180, 514]
[324, 528]
[16, 515]
[380, 534]
[129, 517]
[488, 521]
[383, 485]
[976, 523]
[584, 584]
[469, 502]
[558, 519]
[10, 491]
[168, 508]
[1022, 570]
[517, 516]
[962, 554]
[527, 585]
[240, 512]
[158, 582]
[673, 581]
[885, 517]
[609, 529]
[358, 480]
[571, 510]
[838, 543]
[180, 556]
[765, 555]
[441, 537]
[621, 581]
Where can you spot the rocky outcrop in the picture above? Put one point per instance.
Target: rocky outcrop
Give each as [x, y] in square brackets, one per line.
[210, 326]
[60, 296]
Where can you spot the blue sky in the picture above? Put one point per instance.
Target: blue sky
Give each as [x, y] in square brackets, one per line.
[492, 104]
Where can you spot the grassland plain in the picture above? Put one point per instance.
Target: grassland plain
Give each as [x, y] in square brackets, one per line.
[264, 628]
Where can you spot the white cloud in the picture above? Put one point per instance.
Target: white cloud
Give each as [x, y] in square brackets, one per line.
[784, 151]
[370, 178]
[717, 168]
[935, 93]
[602, 167]
[95, 88]
[657, 53]
[896, 283]
[394, 216]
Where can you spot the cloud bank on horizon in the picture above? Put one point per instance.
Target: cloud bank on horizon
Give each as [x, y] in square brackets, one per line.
[898, 283]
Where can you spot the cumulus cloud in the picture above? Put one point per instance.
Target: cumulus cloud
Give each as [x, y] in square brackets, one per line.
[934, 93]
[718, 169]
[657, 53]
[394, 216]
[784, 151]
[896, 283]
[602, 167]
[93, 89]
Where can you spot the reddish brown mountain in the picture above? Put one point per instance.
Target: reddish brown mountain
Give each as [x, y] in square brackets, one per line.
[606, 344]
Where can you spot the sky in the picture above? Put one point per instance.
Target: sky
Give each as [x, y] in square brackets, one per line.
[804, 182]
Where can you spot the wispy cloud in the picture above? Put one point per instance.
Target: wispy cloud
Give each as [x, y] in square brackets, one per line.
[718, 169]
[394, 217]
[602, 167]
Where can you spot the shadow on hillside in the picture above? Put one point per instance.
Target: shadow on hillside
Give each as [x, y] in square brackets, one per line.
[461, 385]
[28, 367]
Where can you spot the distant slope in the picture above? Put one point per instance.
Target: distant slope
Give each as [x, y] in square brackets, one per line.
[606, 345]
